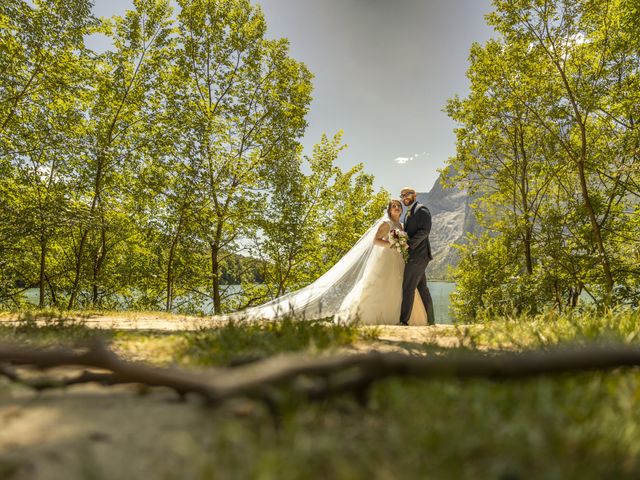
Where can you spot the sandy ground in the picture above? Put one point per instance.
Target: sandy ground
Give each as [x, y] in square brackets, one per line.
[404, 338]
[88, 431]
[92, 432]
[127, 321]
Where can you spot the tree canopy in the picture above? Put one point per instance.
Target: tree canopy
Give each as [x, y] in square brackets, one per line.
[166, 171]
[548, 142]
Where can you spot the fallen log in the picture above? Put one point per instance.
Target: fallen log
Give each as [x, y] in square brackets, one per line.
[314, 377]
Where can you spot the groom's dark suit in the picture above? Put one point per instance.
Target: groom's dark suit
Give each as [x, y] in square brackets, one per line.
[418, 226]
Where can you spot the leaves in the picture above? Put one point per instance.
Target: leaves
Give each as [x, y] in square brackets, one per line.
[548, 144]
[138, 177]
[313, 219]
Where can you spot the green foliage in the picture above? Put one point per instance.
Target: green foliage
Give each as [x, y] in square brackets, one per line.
[237, 106]
[552, 328]
[490, 280]
[44, 70]
[138, 177]
[313, 219]
[547, 143]
[238, 341]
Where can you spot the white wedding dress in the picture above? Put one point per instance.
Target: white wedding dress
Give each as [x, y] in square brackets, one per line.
[377, 298]
[364, 286]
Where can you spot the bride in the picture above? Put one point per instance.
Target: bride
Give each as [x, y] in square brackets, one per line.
[364, 286]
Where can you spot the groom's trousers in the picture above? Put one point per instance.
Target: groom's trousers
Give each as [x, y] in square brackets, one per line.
[415, 278]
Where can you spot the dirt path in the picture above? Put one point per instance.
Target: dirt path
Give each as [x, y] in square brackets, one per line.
[390, 337]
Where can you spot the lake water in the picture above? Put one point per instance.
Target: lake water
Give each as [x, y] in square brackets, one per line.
[439, 293]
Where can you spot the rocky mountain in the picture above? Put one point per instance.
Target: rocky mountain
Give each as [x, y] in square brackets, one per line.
[452, 218]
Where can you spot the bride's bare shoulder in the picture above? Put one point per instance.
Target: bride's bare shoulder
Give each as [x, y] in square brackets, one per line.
[383, 229]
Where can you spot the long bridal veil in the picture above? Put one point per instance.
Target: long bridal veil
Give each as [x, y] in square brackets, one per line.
[331, 295]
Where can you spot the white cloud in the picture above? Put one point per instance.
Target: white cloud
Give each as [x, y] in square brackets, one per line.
[403, 160]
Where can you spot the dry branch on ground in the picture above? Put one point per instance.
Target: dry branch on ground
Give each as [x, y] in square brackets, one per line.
[313, 377]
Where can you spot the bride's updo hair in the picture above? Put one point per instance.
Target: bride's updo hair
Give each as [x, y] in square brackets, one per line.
[394, 201]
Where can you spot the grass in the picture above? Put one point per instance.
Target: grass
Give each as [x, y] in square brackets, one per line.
[231, 343]
[33, 329]
[238, 343]
[551, 328]
[578, 426]
[585, 427]
[10, 468]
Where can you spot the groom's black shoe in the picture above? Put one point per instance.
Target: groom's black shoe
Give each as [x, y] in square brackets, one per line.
[402, 324]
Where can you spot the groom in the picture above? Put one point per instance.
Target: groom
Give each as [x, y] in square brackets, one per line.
[417, 224]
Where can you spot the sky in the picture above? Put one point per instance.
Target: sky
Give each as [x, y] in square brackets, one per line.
[384, 70]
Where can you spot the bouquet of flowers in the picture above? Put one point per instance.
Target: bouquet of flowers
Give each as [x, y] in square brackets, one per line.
[399, 242]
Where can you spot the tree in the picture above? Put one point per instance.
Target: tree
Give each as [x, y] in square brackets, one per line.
[137, 177]
[121, 125]
[312, 220]
[239, 111]
[550, 147]
[44, 70]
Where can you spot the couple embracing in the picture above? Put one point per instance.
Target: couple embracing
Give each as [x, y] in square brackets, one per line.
[396, 289]
[371, 283]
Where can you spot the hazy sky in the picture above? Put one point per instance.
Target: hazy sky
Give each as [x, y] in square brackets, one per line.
[384, 70]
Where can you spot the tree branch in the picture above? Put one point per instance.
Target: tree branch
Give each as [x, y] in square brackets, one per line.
[313, 377]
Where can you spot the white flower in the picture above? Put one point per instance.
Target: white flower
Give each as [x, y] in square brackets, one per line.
[398, 240]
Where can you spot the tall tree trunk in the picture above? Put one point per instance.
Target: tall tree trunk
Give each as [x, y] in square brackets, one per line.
[556, 290]
[98, 262]
[581, 120]
[215, 264]
[524, 194]
[169, 278]
[42, 278]
[527, 251]
[215, 278]
[83, 239]
[172, 254]
[102, 160]
[595, 226]
[52, 291]
[78, 268]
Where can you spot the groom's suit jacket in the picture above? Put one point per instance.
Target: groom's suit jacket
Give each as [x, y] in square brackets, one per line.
[418, 227]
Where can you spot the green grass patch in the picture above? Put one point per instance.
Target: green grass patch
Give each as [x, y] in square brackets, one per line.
[584, 426]
[238, 342]
[231, 343]
[553, 328]
[33, 329]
